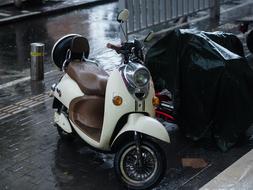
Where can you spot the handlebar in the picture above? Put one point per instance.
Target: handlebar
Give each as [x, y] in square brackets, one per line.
[114, 47]
[128, 49]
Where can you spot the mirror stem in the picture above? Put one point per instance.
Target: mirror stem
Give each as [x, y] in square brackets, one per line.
[124, 33]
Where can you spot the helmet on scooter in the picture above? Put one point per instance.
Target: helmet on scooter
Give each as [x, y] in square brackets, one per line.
[64, 44]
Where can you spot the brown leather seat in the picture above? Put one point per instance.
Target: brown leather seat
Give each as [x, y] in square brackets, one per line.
[87, 112]
[91, 79]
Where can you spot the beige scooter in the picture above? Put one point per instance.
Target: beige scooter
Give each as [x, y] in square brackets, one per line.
[113, 112]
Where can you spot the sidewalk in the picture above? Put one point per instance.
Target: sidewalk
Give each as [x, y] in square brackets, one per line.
[10, 14]
[33, 157]
[238, 176]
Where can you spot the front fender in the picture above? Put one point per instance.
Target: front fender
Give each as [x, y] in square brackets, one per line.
[146, 125]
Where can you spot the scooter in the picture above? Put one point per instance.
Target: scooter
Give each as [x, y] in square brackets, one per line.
[111, 112]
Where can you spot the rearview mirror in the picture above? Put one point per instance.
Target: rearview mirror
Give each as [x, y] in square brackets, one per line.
[123, 16]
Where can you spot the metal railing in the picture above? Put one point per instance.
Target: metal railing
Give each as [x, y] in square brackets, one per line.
[144, 14]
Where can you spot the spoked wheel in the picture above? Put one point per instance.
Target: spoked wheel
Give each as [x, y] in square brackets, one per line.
[141, 170]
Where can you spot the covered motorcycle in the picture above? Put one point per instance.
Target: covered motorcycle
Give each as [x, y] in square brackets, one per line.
[210, 80]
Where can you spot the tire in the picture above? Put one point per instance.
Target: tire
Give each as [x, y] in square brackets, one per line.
[64, 135]
[135, 177]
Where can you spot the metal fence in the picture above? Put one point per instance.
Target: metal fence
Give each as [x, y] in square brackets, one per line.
[144, 14]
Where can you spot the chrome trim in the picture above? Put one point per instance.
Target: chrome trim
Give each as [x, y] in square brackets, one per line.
[143, 106]
[53, 87]
[128, 71]
[136, 106]
[166, 105]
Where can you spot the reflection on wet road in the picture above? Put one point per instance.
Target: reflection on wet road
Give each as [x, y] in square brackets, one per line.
[34, 158]
[98, 24]
[76, 163]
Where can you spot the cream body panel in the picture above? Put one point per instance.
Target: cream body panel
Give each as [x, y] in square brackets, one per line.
[112, 113]
[69, 90]
[146, 125]
[115, 87]
[63, 122]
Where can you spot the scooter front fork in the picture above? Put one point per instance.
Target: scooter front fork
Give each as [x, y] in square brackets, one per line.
[137, 139]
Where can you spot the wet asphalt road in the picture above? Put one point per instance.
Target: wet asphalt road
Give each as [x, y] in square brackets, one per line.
[34, 157]
[98, 24]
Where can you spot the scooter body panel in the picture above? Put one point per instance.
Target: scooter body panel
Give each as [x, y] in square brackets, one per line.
[112, 113]
[146, 125]
[69, 90]
[66, 90]
[62, 121]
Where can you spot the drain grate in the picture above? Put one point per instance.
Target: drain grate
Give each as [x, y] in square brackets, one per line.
[23, 105]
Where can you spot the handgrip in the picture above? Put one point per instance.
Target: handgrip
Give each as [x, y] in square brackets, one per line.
[113, 47]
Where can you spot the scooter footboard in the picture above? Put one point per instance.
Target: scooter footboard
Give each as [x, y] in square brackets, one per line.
[146, 125]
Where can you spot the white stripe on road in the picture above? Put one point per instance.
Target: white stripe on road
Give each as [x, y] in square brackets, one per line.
[24, 105]
[5, 14]
[19, 16]
[25, 11]
[14, 82]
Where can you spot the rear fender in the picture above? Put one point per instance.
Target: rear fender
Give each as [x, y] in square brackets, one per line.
[63, 122]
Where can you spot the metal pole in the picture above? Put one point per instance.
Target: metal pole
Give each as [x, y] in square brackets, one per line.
[215, 9]
[37, 61]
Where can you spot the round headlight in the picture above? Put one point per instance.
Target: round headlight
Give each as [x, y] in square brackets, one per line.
[141, 77]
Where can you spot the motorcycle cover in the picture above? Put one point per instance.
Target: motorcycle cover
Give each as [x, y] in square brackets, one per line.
[211, 83]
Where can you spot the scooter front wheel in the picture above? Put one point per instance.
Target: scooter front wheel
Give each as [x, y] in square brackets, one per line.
[140, 172]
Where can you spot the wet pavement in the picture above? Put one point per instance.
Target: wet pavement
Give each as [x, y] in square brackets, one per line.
[10, 13]
[98, 24]
[33, 157]
[32, 154]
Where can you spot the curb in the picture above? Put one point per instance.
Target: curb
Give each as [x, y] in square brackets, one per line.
[57, 10]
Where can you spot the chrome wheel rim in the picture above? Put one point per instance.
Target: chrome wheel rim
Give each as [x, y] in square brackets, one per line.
[136, 171]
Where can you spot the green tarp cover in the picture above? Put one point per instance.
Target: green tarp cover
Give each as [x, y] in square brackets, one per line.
[211, 83]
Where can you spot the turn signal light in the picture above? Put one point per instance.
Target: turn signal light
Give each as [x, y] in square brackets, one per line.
[155, 101]
[117, 100]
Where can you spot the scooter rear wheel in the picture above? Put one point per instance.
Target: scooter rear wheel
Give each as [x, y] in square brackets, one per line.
[136, 174]
[64, 135]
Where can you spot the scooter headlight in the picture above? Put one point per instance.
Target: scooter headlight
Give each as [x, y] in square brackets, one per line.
[141, 77]
[137, 79]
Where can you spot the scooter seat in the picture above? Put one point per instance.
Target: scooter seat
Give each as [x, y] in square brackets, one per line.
[91, 79]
